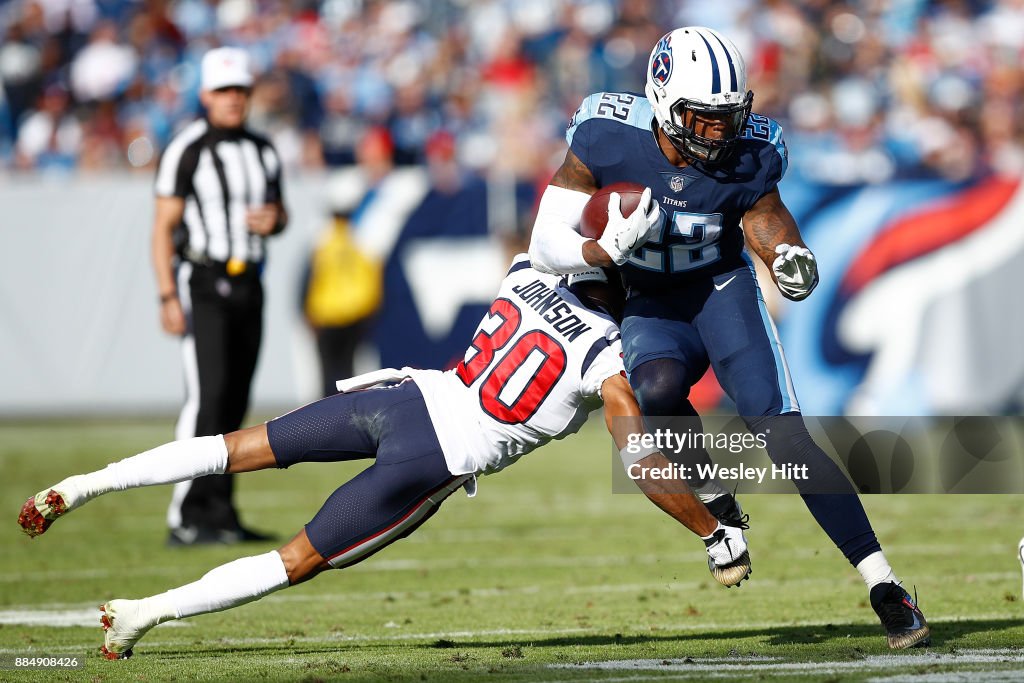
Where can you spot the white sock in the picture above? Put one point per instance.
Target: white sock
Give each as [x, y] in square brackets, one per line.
[875, 569]
[710, 490]
[224, 587]
[167, 464]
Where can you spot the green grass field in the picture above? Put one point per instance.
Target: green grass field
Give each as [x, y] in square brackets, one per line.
[545, 576]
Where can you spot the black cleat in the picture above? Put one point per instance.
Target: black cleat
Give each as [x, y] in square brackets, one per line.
[727, 510]
[193, 535]
[905, 625]
[204, 535]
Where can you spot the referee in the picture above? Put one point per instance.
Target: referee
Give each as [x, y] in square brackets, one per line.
[218, 197]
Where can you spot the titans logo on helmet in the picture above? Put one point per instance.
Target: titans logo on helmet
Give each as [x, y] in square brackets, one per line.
[661, 64]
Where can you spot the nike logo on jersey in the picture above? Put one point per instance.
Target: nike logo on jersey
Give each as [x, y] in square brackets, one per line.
[725, 284]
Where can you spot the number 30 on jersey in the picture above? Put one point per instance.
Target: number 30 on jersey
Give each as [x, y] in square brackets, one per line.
[531, 366]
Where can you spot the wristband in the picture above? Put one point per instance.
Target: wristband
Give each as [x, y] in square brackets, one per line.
[164, 298]
[633, 454]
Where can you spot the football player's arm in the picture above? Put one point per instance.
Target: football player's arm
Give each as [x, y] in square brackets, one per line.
[169, 212]
[556, 246]
[771, 232]
[674, 496]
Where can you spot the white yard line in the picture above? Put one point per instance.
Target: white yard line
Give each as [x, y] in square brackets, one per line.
[996, 676]
[672, 559]
[703, 668]
[65, 575]
[683, 559]
[79, 615]
[61, 618]
[719, 667]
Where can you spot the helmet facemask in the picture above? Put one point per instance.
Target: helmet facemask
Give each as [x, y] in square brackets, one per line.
[709, 150]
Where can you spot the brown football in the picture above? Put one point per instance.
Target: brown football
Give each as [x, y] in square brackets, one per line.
[595, 213]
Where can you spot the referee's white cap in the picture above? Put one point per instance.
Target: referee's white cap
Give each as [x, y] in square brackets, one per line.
[224, 67]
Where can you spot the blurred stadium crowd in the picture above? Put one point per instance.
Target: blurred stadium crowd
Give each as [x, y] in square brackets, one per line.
[868, 90]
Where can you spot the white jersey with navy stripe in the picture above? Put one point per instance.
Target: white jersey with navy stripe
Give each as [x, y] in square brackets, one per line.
[533, 373]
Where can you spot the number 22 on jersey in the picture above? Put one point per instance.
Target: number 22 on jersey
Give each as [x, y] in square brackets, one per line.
[519, 378]
[695, 244]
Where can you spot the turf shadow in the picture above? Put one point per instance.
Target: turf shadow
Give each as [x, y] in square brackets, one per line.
[943, 634]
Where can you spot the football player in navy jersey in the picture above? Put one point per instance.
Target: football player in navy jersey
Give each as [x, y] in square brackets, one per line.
[709, 164]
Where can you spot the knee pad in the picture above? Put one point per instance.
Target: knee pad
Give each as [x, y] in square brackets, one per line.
[662, 387]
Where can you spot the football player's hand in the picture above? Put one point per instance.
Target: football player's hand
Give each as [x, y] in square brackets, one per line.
[795, 270]
[625, 234]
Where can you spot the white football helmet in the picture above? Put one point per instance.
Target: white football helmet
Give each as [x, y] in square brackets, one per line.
[697, 69]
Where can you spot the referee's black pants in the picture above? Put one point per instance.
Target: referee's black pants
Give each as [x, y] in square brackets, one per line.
[224, 328]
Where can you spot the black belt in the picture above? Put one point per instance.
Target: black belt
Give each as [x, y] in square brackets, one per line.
[231, 267]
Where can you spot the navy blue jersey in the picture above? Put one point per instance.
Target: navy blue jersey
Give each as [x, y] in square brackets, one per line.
[613, 135]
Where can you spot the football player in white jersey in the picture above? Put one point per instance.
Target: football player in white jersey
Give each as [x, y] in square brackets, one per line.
[543, 357]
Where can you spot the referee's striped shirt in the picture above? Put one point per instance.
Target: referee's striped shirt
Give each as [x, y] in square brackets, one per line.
[220, 174]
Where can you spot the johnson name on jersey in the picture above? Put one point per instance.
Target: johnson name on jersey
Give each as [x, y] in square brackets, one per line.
[532, 373]
[613, 134]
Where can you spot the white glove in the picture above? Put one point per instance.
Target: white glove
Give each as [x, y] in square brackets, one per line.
[725, 545]
[624, 235]
[795, 270]
[728, 558]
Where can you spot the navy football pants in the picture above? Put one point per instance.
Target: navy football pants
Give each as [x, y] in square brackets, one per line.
[388, 500]
[721, 321]
[670, 338]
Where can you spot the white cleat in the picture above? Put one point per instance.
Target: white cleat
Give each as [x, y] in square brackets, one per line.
[42, 510]
[728, 558]
[124, 622]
